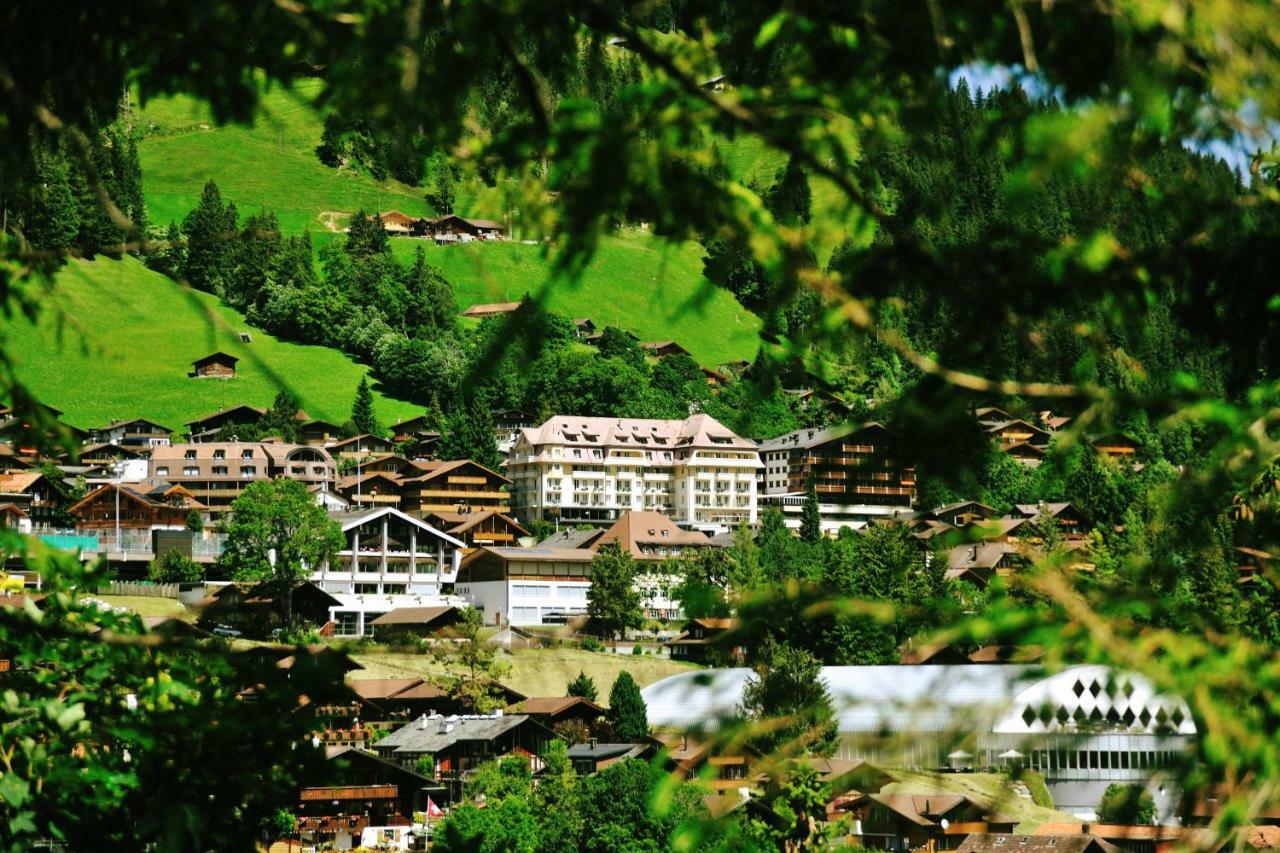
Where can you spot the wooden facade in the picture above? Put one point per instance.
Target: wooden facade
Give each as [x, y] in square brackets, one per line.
[219, 365]
[456, 486]
[140, 508]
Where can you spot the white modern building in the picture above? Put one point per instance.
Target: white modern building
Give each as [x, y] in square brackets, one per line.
[526, 586]
[591, 470]
[389, 553]
[1084, 728]
[354, 614]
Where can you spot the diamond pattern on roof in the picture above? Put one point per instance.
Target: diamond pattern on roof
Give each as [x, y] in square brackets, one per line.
[1077, 688]
[1095, 688]
[1028, 715]
[1128, 716]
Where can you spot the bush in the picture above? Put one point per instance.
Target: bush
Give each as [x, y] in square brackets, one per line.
[591, 644]
[636, 650]
[1127, 804]
[173, 567]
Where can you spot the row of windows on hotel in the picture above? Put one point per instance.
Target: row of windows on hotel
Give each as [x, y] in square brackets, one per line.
[1093, 759]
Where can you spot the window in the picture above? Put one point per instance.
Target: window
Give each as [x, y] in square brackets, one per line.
[248, 470]
[246, 453]
[190, 454]
[219, 470]
[190, 471]
[219, 454]
[162, 471]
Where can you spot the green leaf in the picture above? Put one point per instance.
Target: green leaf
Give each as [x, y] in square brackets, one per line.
[13, 790]
[769, 29]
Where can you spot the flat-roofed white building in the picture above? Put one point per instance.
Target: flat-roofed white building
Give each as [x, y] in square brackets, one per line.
[591, 470]
[526, 586]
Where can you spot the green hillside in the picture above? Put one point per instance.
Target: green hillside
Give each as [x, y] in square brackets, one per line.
[116, 340]
[640, 283]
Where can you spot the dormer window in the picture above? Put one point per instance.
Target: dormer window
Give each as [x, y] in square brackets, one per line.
[190, 454]
[219, 454]
[246, 454]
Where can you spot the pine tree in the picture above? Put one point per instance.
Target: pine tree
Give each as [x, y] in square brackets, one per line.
[362, 415]
[209, 229]
[171, 257]
[613, 602]
[583, 686]
[51, 219]
[628, 715]
[366, 237]
[790, 199]
[331, 148]
[810, 517]
[787, 693]
[471, 435]
[282, 418]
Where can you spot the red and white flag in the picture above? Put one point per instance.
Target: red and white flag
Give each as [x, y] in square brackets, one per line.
[433, 810]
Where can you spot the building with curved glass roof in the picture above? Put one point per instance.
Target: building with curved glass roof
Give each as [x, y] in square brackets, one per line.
[1084, 727]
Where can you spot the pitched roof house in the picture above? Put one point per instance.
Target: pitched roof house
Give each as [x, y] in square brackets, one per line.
[148, 505]
[217, 364]
[490, 309]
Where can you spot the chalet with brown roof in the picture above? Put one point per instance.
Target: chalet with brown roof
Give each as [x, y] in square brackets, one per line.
[138, 432]
[478, 529]
[1065, 516]
[415, 622]
[452, 228]
[395, 222]
[1053, 422]
[14, 517]
[364, 790]
[490, 309]
[1008, 433]
[219, 365]
[1132, 838]
[553, 711]
[908, 821]
[1117, 445]
[361, 446]
[706, 639]
[454, 486]
[203, 429]
[1252, 562]
[370, 489]
[963, 513]
[256, 608]
[31, 492]
[409, 428]
[651, 536]
[27, 436]
[849, 464]
[989, 416]
[406, 698]
[526, 586]
[663, 349]
[149, 505]
[1025, 452]
[215, 473]
[978, 562]
[321, 433]
[723, 767]
[583, 327]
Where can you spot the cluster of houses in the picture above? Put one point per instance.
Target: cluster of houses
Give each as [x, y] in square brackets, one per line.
[442, 229]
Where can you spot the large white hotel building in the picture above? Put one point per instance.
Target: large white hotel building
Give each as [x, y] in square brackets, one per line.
[591, 470]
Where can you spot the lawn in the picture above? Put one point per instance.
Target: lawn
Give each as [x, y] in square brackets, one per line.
[990, 789]
[269, 166]
[115, 340]
[145, 605]
[534, 672]
[636, 282]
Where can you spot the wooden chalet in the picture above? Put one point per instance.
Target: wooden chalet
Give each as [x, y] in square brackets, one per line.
[553, 711]
[370, 490]
[410, 428]
[405, 698]
[28, 437]
[1028, 454]
[592, 756]
[932, 821]
[456, 486]
[135, 433]
[1017, 431]
[490, 309]
[204, 428]
[932, 654]
[32, 492]
[135, 506]
[1117, 445]
[584, 327]
[106, 454]
[461, 229]
[352, 773]
[1065, 516]
[395, 222]
[255, 608]
[320, 433]
[1252, 562]
[963, 513]
[722, 767]
[663, 349]
[361, 446]
[706, 640]
[989, 416]
[1003, 653]
[978, 562]
[415, 622]
[219, 365]
[651, 536]
[477, 529]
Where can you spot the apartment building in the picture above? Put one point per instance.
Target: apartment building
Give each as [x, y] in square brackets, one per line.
[455, 486]
[854, 470]
[592, 470]
[216, 472]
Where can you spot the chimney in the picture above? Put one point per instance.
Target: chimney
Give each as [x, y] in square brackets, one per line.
[422, 721]
[594, 741]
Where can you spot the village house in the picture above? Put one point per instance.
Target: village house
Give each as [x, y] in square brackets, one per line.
[321, 433]
[507, 424]
[978, 562]
[204, 428]
[370, 489]
[651, 537]
[963, 513]
[526, 586]
[1116, 445]
[490, 309]
[663, 349]
[591, 470]
[27, 435]
[414, 698]
[367, 794]
[583, 328]
[454, 486]
[218, 365]
[902, 822]
[854, 470]
[361, 447]
[451, 228]
[388, 552]
[591, 757]
[255, 609]
[14, 517]
[706, 640]
[477, 529]
[1025, 452]
[1065, 517]
[151, 505]
[724, 768]
[216, 473]
[412, 623]
[31, 492]
[1009, 433]
[107, 455]
[410, 428]
[459, 743]
[396, 223]
[568, 711]
[135, 433]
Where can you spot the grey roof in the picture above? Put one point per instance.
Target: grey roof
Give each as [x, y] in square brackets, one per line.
[440, 732]
[601, 751]
[571, 538]
[806, 438]
[929, 698]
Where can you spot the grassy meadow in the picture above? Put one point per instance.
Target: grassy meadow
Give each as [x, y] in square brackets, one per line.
[116, 340]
